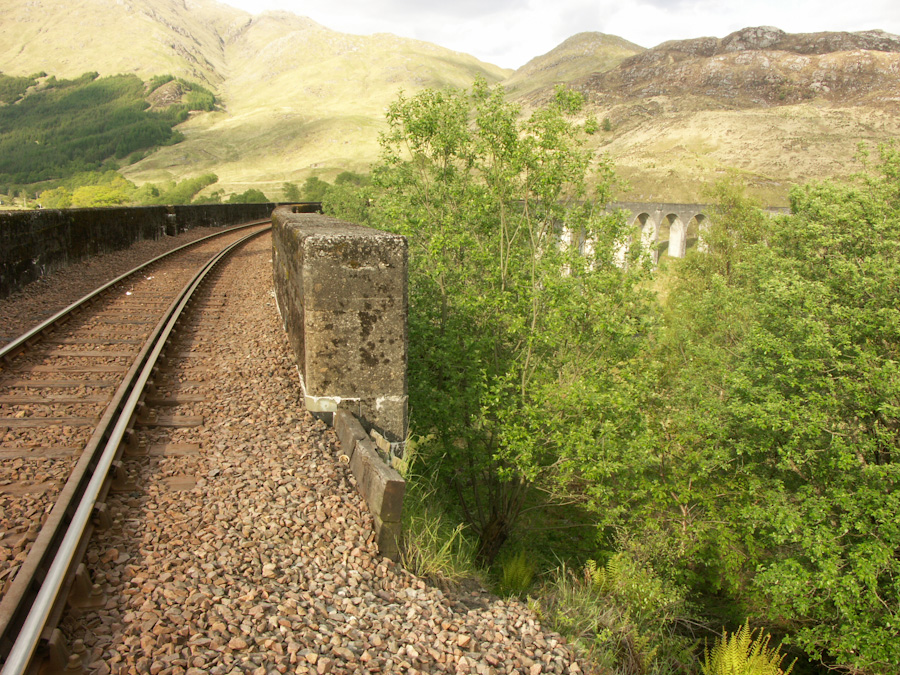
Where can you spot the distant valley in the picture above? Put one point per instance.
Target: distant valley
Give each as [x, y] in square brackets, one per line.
[297, 99]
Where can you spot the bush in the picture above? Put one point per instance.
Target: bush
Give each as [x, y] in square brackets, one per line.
[625, 616]
[251, 196]
[519, 318]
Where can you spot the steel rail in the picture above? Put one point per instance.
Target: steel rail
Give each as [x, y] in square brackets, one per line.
[29, 634]
[12, 348]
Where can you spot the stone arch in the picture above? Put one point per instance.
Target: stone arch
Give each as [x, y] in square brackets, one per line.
[634, 241]
[694, 232]
[670, 237]
[644, 233]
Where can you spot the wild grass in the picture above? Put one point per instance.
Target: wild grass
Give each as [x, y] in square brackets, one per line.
[625, 616]
[435, 546]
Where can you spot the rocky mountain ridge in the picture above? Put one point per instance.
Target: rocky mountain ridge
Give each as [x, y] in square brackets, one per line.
[578, 56]
[759, 67]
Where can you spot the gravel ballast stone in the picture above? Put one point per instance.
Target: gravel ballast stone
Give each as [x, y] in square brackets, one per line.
[256, 554]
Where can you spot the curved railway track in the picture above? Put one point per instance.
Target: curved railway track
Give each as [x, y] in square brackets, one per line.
[70, 391]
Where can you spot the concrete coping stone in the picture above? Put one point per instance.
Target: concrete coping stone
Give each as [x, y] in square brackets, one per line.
[380, 485]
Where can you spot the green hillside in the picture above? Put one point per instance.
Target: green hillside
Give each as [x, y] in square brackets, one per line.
[52, 129]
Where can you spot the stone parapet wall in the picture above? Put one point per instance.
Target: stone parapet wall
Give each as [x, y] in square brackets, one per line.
[218, 215]
[341, 291]
[36, 243]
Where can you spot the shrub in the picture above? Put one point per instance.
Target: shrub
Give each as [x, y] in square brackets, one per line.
[625, 616]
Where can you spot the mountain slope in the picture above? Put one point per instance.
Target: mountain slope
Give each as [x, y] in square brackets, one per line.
[296, 97]
[304, 99]
[144, 37]
[762, 66]
[778, 108]
[579, 56]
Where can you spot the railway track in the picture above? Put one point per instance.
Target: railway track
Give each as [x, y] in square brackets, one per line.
[70, 392]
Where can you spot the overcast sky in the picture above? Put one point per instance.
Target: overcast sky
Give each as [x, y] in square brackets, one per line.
[509, 33]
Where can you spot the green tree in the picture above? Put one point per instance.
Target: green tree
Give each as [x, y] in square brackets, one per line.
[251, 196]
[108, 194]
[771, 468]
[57, 198]
[314, 189]
[184, 191]
[349, 197]
[291, 192]
[352, 178]
[214, 197]
[520, 321]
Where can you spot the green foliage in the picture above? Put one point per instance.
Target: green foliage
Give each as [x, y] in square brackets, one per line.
[767, 468]
[624, 614]
[13, 88]
[90, 189]
[109, 188]
[290, 192]
[314, 189]
[351, 178]
[518, 328]
[157, 81]
[517, 572]
[101, 195]
[214, 197]
[57, 198]
[743, 654]
[67, 126]
[184, 191]
[70, 126]
[250, 196]
[349, 199]
[199, 97]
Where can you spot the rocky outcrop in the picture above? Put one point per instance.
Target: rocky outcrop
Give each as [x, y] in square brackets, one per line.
[761, 66]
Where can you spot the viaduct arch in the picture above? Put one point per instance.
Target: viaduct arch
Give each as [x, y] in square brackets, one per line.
[663, 228]
[669, 229]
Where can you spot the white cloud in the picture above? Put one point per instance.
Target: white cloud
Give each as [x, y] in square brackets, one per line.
[511, 32]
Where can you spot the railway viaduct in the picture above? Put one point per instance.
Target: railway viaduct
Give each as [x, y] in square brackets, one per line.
[669, 229]
[665, 228]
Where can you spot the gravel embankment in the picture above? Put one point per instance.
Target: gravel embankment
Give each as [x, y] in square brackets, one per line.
[249, 550]
[46, 296]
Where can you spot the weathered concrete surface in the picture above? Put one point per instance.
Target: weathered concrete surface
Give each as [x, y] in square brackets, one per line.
[341, 291]
[379, 484]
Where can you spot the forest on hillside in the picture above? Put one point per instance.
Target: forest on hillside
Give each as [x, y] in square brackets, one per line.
[53, 129]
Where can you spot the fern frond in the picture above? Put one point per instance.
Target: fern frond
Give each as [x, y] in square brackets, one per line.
[744, 654]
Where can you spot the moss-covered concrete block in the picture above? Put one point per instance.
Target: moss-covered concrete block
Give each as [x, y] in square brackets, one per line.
[341, 291]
